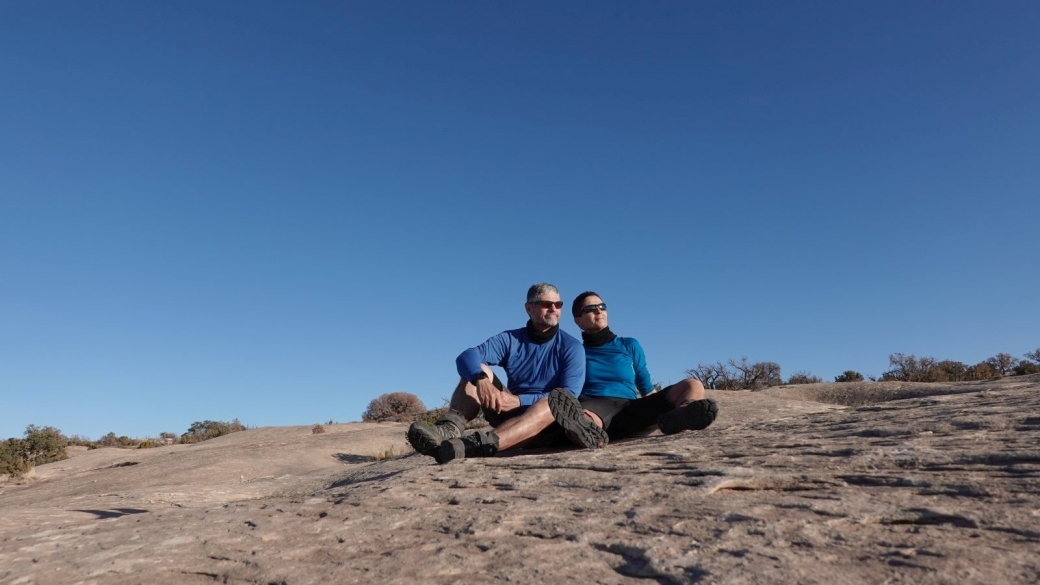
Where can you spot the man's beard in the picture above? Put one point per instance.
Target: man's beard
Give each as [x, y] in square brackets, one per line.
[547, 321]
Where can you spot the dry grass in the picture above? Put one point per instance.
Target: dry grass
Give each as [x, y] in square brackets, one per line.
[865, 393]
[389, 453]
[25, 478]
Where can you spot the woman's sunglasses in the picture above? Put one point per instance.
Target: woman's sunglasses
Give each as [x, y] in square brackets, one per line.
[591, 308]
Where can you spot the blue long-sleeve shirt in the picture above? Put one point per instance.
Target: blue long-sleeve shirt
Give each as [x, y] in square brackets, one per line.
[533, 369]
[617, 369]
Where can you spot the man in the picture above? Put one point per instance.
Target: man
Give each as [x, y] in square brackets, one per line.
[618, 394]
[537, 358]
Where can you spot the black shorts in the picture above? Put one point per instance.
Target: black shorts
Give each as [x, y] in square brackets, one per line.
[627, 418]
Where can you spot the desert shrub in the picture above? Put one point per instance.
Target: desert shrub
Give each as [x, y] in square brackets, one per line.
[430, 416]
[388, 453]
[40, 445]
[168, 438]
[317, 430]
[713, 376]
[43, 445]
[849, 376]
[111, 440]
[804, 378]
[734, 375]
[393, 406]
[478, 422]
[950, 371]
[210, 429]
[80, 441]
[757, 375]
[11, 460]
[146, 444]
[1003, 363]
[1024, 368]
[981, 371]
[910, 368]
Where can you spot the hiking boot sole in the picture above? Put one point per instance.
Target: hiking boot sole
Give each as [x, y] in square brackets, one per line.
[568, 414]
[695, 416]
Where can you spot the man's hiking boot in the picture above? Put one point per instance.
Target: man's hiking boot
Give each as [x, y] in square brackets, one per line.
[691, 415]
[425, 438]
[568, 414]
[482, 443]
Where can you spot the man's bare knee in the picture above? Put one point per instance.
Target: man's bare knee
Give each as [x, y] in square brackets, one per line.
[464, 400]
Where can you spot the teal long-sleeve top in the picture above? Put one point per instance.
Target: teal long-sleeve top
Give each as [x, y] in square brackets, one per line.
[617, 369]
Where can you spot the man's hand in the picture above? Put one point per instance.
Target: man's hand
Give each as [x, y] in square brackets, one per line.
[493, 399]
[508, 401]
[488, 395]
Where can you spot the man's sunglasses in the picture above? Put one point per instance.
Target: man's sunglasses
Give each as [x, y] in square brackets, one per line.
[546, 304]
[591, 308]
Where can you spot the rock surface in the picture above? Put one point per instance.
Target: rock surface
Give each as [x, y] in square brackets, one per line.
[826, 483]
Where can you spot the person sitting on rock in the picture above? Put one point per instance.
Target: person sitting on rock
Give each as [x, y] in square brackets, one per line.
[618, 394]
[537, 358]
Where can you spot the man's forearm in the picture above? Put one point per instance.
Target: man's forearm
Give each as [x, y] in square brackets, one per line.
[509, 401]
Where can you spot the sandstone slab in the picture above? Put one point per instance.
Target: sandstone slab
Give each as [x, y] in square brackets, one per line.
[871, 483]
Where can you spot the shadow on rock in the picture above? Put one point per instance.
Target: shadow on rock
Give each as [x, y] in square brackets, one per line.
[351, 459]
[113, 513]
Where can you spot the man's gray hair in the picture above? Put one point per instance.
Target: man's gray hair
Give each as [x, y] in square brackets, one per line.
[540, 289]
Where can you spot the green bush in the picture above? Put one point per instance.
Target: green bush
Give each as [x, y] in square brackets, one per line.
[81, 441]
[981, 371]
[804, 378]
[950, 371]
[111, 440]
[11, 460]
[849, 376]
[210, 429]
[44, 445]
[39, 446]
[1024, 368]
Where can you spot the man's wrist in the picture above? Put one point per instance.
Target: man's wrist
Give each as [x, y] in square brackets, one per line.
[513, 400]
[481, 376]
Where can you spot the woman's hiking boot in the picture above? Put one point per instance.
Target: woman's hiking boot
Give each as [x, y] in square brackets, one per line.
[691, 415]
[569, 414]
[482, 443]
[425, 438]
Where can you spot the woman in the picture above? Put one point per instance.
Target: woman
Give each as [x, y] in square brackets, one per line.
[618, 394]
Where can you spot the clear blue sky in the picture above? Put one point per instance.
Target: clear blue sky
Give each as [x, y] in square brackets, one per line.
[277, 212]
